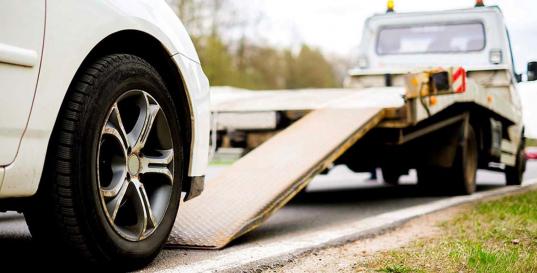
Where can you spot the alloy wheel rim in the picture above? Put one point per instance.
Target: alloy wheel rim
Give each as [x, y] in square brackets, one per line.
[135, 165]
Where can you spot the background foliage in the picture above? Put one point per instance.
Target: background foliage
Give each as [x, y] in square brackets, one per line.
[231, 58]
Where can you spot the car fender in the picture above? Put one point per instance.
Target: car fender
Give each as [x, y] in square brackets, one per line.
[73, 29]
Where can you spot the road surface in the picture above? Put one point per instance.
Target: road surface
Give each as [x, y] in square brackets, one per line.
[333, 199]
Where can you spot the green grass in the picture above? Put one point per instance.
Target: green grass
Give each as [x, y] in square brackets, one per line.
[531, 142]
[218, 163]
[397, 269]
[496, 236]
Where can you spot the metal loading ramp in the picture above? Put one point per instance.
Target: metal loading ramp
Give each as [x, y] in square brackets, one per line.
[249, 191]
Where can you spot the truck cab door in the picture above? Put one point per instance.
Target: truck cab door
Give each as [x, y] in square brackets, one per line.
[22, 27]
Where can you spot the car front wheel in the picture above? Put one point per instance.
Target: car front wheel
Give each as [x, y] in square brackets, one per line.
[112, 181]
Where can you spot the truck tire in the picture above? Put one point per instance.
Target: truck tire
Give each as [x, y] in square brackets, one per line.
[460, 179]
[514, 175]
[426, 178]
[391, 175]
[112, 182]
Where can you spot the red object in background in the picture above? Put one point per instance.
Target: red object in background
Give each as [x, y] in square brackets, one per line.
[531, 153]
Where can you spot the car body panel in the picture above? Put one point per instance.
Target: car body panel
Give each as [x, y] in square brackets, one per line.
[73, 29]
[21, 43]
[200, 104]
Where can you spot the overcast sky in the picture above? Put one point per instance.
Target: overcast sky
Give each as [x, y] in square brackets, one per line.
[335, 26]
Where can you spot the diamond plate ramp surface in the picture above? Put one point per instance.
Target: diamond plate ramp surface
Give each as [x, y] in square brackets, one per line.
[249, 191]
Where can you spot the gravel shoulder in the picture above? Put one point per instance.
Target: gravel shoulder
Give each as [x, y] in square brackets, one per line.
[352, 257]
[496, 234]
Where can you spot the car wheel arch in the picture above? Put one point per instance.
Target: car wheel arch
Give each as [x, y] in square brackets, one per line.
[126, 42]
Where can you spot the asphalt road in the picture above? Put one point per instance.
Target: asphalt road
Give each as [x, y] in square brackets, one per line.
[330, 200]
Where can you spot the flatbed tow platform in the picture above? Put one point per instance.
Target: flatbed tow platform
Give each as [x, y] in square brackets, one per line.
[257, 185]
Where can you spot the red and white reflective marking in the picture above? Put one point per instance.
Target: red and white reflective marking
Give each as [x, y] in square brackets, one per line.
[459, 80]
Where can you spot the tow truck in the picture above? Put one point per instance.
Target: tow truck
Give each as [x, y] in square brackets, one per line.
[446, 138]
[432, 91]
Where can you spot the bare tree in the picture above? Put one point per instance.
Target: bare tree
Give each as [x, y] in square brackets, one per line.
[230, 53]
[207, 17]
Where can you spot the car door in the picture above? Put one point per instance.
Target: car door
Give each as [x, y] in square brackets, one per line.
[22, 27]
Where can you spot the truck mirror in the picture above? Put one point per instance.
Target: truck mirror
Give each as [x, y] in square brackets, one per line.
[532, 71]
[518, 77]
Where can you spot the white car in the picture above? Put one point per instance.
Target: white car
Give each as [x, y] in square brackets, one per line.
[104, 122]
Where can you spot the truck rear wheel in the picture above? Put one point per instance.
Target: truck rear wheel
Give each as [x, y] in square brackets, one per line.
[460, 178]
[514, 174]
[462, 175]
[427, 179]
[391, 175]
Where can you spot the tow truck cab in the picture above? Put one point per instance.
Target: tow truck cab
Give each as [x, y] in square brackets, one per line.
[475, 38]
[395, 44]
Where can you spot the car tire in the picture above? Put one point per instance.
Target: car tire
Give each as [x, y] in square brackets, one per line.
[111, 186]
[514, 175]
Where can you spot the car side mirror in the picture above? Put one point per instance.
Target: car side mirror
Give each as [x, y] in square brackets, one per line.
[532, 71]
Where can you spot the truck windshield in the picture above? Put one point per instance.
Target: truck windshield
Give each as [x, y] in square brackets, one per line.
[438, 38]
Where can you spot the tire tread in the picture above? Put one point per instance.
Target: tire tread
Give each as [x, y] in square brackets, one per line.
[62, 179]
